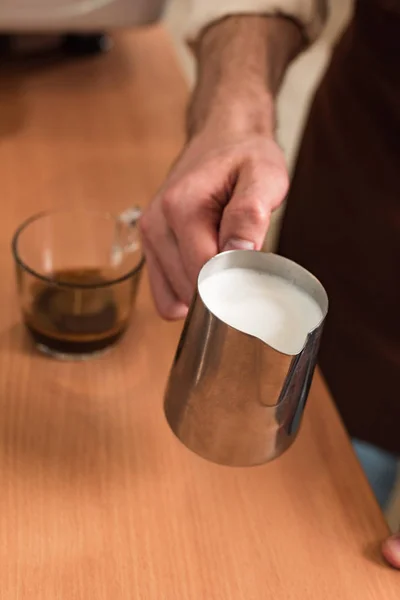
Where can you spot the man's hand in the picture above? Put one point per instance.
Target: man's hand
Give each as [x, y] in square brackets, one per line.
[232, 174]
[219, 196]
[391, 550]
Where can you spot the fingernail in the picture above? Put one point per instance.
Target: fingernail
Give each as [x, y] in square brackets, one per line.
[237, 244]
[391, 551]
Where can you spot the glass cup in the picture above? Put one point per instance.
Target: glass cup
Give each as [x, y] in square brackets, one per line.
[78, 273]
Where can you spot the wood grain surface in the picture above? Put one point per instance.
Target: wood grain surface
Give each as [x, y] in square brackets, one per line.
[98, 500]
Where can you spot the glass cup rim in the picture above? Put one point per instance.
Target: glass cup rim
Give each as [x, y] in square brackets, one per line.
[65, 284]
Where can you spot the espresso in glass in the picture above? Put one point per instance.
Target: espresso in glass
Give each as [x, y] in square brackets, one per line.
[77, 298]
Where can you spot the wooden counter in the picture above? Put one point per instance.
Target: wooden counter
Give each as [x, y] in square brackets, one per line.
[98, 500]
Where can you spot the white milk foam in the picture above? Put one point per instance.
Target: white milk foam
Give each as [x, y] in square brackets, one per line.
[266, 306]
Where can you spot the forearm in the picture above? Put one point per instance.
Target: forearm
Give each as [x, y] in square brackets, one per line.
[241, 63]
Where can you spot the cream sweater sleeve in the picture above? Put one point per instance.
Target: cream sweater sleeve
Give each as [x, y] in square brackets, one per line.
[310, 14]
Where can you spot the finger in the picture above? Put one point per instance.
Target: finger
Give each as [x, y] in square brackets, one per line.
[166, 251]
[194, 213]
[167, 304]
[391, 551]
[246, 218]
[198, 242]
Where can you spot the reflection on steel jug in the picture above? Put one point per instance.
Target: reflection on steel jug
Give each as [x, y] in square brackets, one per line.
[231, 398]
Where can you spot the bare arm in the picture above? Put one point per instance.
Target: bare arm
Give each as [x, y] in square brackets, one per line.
[241, 64]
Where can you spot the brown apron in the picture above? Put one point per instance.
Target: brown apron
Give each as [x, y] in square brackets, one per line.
[343, 220]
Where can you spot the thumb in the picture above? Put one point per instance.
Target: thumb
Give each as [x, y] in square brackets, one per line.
[391, 550]
[246, 217]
